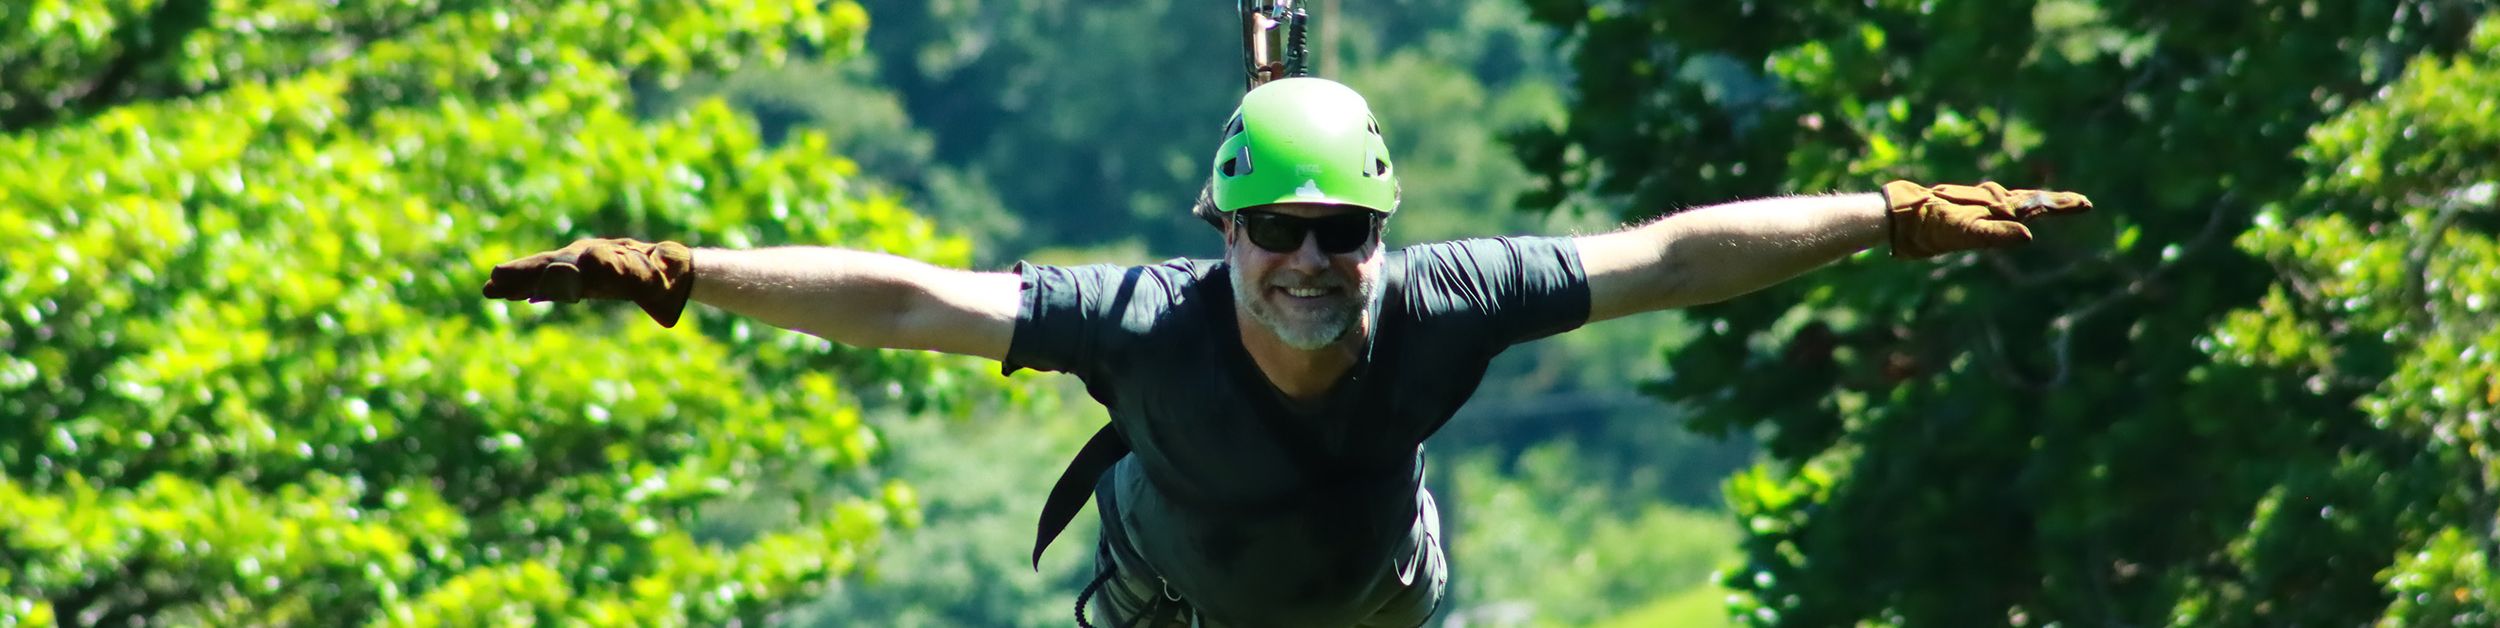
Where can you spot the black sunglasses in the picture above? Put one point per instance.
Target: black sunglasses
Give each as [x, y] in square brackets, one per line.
[1281, 233]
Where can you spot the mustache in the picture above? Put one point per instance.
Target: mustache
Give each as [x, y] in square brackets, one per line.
[1288, 279]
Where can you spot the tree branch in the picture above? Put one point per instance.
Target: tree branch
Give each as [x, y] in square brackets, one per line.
[2415, 292]
[2022, 279]
[2061, 348]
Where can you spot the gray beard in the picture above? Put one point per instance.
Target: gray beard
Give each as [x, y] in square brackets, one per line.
[1308, 333]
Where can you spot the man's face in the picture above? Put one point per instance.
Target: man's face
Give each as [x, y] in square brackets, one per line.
[1308, 296]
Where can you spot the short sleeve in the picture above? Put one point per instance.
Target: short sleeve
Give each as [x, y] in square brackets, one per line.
[1063, 316]
[1077, 319]
[1505, 290]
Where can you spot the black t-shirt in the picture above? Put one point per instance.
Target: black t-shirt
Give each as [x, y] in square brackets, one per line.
[1253, 510]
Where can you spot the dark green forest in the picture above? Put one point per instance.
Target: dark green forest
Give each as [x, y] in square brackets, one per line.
[245, 377]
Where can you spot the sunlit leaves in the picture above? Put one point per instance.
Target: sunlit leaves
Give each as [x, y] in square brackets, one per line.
[2449, 581]
[2135, 419]
[247, 375]
[2388, 292]
[1580, 551]
[2429, 132]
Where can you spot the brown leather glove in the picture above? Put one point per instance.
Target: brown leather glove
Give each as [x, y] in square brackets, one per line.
[1930, 221]
[657, 276]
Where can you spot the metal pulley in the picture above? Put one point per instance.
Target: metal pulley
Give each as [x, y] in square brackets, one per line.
[1275, 39]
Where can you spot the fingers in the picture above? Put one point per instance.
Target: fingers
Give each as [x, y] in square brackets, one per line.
[1987, 194]
[561, 282]
[2018, 204]
[2030, 203]
[515, 279]
[1999, 233]
[549, 276]
[506, 282]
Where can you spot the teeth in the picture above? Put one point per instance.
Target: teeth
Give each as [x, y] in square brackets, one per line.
[1306, 292]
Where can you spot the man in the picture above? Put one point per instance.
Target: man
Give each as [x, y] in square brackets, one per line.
[1271, 406]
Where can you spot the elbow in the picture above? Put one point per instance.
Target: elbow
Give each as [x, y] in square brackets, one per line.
[871, 323]
[894, 324]
[1684, 277]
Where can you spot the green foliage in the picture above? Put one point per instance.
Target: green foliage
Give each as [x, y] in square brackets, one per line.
[2448, 581]
[2128, 421]
[1698, 607]
[1457, 182]
[965, 567]
[2389, 263]
[866, 123]
[1094, 126]
[247, 378]
[1540, 543]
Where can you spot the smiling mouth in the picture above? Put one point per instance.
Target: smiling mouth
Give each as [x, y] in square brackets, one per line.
[1307, 293]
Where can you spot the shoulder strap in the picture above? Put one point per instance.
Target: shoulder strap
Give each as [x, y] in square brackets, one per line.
[1075, 486]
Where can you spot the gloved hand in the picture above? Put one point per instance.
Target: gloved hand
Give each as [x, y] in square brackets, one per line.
[657, 276]
[1930, 221]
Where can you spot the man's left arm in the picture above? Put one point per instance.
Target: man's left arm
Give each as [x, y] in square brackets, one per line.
[1718, 252]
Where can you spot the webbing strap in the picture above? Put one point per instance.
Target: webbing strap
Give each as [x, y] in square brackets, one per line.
[1075, 486]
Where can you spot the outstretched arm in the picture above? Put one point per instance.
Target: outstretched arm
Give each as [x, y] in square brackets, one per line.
[863, 299]
[852, 297]
[1718, 252]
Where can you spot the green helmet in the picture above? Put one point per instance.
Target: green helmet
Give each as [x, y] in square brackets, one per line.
[1304, 140]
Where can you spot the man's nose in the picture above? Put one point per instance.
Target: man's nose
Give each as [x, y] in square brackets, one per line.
[1308, 256]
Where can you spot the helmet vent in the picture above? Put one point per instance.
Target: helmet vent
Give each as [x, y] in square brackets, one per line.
[1238, 164]
[1232, 127]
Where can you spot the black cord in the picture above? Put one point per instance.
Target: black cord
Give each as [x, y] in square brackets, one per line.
[1088, 594]
[1297, 43]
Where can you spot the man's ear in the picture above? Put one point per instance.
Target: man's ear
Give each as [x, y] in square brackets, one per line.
[1232, 237]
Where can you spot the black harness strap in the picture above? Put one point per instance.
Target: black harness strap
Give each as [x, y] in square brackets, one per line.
[1075, 486]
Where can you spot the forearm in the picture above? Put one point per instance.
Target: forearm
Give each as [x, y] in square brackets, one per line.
[1729, 250]
[856, 298]
[1718, 252]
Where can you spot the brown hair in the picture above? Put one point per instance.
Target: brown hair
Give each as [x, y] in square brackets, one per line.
[1205, 207]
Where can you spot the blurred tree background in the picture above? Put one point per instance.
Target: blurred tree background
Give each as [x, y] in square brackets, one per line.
[2254, 389]
[245, 377]
[248, 379]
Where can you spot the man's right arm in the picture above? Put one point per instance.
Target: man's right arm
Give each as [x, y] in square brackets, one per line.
[864, 299]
